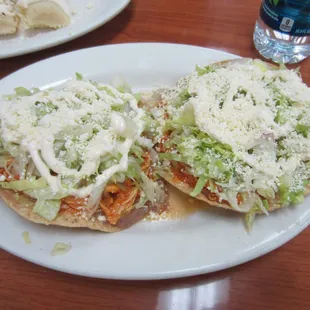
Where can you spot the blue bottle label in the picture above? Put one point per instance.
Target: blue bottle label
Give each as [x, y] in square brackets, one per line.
[288, 16]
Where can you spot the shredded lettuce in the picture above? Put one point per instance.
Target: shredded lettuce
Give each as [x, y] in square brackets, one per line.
[138, 96]
[133, 171]
[287, 196]
[204, 70]
[280, 117]
[184, 96]
[124, 88]
[48, 209]
[141, 203]
[131, 128]
[250, 216]
[23, 185]
[303, 130]
[267, 193]
[150, 188]
[249, 219]
[43, 108]
[78, 76]
[199, 186]
[297, 197]
[204, 154]
[187, 116]
[43, 194]
[60, 248]
[35, 90]
[26, 237]
[22, 91]
[170, 156]
[281, 100]
[284, 191]
[261, 65]
[265, 204]
[138, 151]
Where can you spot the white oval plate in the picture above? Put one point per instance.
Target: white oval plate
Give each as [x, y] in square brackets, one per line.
[207, 241]
[88, 15]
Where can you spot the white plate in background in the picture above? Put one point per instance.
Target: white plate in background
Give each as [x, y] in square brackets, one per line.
[87, 16]
[207, 241]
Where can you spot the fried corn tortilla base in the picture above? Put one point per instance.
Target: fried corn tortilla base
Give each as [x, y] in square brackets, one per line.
[24, 205]
[185, 188]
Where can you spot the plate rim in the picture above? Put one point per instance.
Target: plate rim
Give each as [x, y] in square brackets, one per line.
[166, 275]
[283, 238]
[43, 46]
[115, 45]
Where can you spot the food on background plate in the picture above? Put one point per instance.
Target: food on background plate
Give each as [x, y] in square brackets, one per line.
[33, 14]
[9, 19]
[236, 135]
[45, 13]
[78, 157]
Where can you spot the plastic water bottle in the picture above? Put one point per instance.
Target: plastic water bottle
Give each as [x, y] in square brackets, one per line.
[283, 29]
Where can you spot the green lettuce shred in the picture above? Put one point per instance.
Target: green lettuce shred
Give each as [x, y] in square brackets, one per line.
[45, 193]
[48, 209]
[303, 130]
[287, 196]
[23, 185]
[199, 185]
[22, 91]
[184, 96]
[250, 217]
[170, 156]
[60, 248]
[249, 220]
[280, 119]
[261, 65]
[26, 237]
[267, 193]
[266, 204]
[124, 88]
[204, 70]
[78, 76]
[187, 116]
